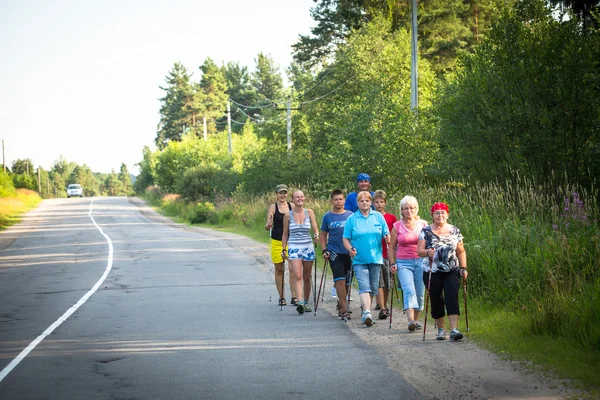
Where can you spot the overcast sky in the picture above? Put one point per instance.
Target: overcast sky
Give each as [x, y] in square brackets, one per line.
[80, 78]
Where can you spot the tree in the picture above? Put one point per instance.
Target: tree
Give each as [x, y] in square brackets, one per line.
[584, 10]
[84, 176]
[335, 19]
[125, 179]
[147, 171]
[22, 166]
[266, 79]
[446, 28]
[178, 106]
[213, 86]
[528, 101]
[244, 97]
[113, 185]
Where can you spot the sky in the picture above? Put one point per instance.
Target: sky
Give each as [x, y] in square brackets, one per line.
[80, 78]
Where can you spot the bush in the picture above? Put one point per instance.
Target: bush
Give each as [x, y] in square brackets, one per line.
[7, 188]
[153, 195]
[204, 212]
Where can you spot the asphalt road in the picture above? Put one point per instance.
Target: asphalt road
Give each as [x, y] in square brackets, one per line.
[183, 314]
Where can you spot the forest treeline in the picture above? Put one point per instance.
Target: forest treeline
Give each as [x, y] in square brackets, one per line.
[53, 183]
[506, 88]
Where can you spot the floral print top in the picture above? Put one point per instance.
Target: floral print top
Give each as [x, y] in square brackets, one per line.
[444, 259]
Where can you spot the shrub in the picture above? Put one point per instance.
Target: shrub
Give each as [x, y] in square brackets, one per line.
[153, 195]
[7, 188]
[204, 212]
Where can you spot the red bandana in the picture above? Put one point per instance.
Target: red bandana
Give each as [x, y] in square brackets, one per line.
[440, 206]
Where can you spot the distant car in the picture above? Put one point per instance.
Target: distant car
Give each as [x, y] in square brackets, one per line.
[74, 190]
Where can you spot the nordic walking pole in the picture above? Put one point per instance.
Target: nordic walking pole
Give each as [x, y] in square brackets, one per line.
[391, 294]
[427, 297]
[315, 283]
[320, 286]
[270, 249]
[349, 292]
[465, 297]
[324, 282]
[282, 285]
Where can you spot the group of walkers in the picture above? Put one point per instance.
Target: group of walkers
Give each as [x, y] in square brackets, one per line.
[360, 239]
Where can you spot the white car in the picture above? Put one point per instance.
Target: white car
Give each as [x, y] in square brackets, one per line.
[74, 190]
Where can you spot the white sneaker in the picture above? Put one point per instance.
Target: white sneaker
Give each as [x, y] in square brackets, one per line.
[441, 335]
[367, 319]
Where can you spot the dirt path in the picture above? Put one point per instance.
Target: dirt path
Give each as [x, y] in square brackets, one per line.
[461, 369]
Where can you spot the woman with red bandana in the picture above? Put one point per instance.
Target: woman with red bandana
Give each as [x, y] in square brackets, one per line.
[442, 246]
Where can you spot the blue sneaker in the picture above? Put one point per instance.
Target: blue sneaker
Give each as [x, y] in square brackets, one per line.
[455, 334]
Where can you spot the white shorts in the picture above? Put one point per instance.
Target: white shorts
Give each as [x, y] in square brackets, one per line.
[301, 253]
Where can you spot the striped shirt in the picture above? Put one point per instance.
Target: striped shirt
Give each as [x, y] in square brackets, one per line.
[299, 234]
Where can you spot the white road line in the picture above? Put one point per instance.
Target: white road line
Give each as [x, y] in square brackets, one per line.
[70, 311]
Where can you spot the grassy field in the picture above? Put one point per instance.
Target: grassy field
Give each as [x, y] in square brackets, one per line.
[534, 284]
[11, 208]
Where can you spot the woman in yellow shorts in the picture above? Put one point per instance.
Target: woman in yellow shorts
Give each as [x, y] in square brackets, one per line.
[275, 225]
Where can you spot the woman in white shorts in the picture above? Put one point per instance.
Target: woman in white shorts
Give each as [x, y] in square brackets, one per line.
[300, 248]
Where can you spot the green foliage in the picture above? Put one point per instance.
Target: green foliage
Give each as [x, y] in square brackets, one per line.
[23, 167]
[446, 28]
[367, 124]
[7, 188]
[24, 181]
[528, 100]
[147, 171]
[204, 212]
[178, 106]
[125, 179]
[84, 176]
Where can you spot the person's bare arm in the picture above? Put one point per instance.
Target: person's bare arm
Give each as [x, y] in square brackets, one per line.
[270, 214]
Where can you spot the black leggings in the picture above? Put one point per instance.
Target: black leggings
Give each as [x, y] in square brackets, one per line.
[449, 283]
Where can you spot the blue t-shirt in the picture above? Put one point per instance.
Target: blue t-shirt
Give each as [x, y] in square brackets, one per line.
[352, 204]
[366, 234]
[333, 224]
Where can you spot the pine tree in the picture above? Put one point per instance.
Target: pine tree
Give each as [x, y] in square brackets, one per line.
[178, 106]
[125, 179]
[213, 87]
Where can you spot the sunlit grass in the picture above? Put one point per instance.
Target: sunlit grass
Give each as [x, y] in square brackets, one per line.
[507, 334]
[11, 208]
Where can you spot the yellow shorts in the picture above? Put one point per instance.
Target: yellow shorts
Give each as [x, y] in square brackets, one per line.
[276, 250]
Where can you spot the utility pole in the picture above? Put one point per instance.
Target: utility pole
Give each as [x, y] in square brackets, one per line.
[414, 69]
[289, 109]
[289, 126]
[204, 123]
[229, 125]
[39, 181]
[27, 164]
[3, 159]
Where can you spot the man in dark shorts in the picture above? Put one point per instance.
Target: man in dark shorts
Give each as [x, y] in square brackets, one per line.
[332, 229]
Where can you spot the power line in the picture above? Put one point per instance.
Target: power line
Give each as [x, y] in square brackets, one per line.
[330, 69]
[253, 107]
[325, 95]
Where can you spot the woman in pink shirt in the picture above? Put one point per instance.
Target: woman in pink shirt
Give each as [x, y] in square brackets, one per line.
[404, 259]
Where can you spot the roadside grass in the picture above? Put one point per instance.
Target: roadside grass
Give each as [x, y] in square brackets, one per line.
[506, 333]
[533, 251]
[11, 208]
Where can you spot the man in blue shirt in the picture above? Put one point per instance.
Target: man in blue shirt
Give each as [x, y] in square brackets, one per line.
[332, 230]
[363, 182]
